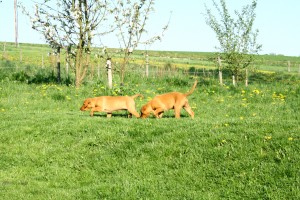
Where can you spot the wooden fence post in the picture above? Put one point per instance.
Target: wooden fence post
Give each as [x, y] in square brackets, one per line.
[42, 60]
[4, 50]
[233, 80]
[147, 64]
[98, 70]
[289, 66]
[220, 71]
[109, 73]
[21, 55]
[246, 81]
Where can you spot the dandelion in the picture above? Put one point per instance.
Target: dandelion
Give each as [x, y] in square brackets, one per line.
[256, 91]
[226, 125]
[220, 100]
[278, 96]
[2, 110]
[244, 104]
[254, 114]
[241, 118]
[268, 137]
[290, 138]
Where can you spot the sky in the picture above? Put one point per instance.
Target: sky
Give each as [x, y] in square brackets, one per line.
[278, 23]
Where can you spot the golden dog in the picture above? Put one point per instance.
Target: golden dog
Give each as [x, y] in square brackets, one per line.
[164, 102]
[109, 104]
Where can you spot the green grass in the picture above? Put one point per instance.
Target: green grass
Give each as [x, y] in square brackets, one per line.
[37, 55]
[242, 144]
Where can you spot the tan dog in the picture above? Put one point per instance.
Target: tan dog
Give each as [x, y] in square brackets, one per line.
[164, 102]
[109, 104]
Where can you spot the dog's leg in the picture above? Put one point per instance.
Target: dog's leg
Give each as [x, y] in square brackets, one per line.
[136, 114]
[158, 112]
[95, 109]
[92, 113]
[188, 109]
[132, 111]
[177, 112]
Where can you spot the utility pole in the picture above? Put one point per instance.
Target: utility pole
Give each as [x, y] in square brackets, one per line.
[16, 22]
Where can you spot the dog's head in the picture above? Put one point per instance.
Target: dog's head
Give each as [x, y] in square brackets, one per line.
[87, 104]
[145, 111]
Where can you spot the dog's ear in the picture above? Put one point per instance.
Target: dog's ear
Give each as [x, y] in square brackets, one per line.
[87, 101]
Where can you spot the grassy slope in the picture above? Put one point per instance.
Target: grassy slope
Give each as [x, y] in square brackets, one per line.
[243, 143]
[37, 54]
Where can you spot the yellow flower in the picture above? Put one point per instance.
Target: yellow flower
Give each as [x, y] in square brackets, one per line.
[244, 105]
[256, 91]
[220, 100]
[268, 137]
[241, 118]
[290, 138]
[226, 125]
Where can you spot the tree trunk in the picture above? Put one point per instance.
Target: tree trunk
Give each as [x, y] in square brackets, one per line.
[58, 65]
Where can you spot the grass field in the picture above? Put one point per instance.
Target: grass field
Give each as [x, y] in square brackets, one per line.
[243, 143]
[37, 54]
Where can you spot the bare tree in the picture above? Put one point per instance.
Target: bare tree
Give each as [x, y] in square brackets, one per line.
[70, 25]
[131, 18]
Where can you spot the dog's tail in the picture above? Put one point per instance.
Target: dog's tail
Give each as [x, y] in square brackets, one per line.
[137, 95]
[192, 90]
